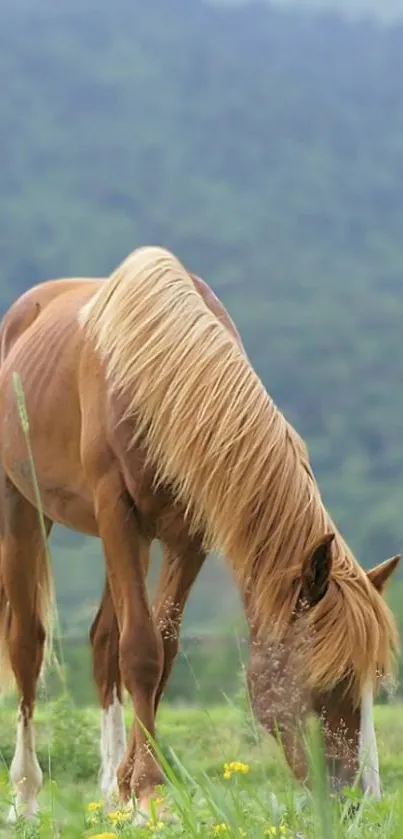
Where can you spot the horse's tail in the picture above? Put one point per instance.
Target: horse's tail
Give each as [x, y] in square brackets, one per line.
[6, 673]
[46, 602]
[16, 321]
[42, 578]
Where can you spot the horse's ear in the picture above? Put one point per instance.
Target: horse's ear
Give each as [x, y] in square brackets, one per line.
[316, 570]
[379, 575]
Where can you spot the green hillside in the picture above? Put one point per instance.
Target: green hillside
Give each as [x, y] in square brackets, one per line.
[383, 10]
[265, 147]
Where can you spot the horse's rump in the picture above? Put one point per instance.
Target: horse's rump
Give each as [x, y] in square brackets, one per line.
[25, 310]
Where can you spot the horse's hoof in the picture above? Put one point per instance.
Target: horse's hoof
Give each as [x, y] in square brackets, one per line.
[12, 815]
[21, 810]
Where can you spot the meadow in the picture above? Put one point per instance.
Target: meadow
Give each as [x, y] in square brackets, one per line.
[225, 777]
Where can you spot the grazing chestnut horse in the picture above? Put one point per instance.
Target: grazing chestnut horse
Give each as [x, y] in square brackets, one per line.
[174, 586]
[148, 421]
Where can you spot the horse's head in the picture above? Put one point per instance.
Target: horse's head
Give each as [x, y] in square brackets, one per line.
[327, 662]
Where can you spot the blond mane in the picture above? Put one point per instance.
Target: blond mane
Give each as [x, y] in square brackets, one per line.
[242, 472]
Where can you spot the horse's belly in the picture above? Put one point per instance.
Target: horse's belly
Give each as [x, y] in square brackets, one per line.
[72, 510]
[64, 494]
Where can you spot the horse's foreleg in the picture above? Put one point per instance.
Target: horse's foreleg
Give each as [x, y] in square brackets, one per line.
[179, 572]
[104, 637]
[23, 580]
[140, 646]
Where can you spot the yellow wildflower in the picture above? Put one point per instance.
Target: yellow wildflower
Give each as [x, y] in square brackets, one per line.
[154, 825]
[94, 806]
[282, 830]
[219, 829]
[119, 816]
[103, 836]
[236, 766]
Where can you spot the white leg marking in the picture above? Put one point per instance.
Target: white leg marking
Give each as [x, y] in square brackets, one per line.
[113, 746]
[104, 768]
[368, 748]
[25, 772]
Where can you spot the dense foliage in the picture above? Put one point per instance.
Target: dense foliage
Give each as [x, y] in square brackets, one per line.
[265, 147]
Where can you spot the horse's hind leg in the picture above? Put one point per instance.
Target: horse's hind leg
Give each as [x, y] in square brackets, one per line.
[25, 582]
[104, 636]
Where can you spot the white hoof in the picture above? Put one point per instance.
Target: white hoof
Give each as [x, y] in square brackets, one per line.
[25, 772]
[22, 809]
[12, 815]
[113, 747]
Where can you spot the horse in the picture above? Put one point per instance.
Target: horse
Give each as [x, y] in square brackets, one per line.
[175, 582]
[147, 420]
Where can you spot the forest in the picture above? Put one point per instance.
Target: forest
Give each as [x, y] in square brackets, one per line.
[264, 146]
[383, 10]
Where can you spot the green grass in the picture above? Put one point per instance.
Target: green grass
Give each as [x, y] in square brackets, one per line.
[196, 744]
